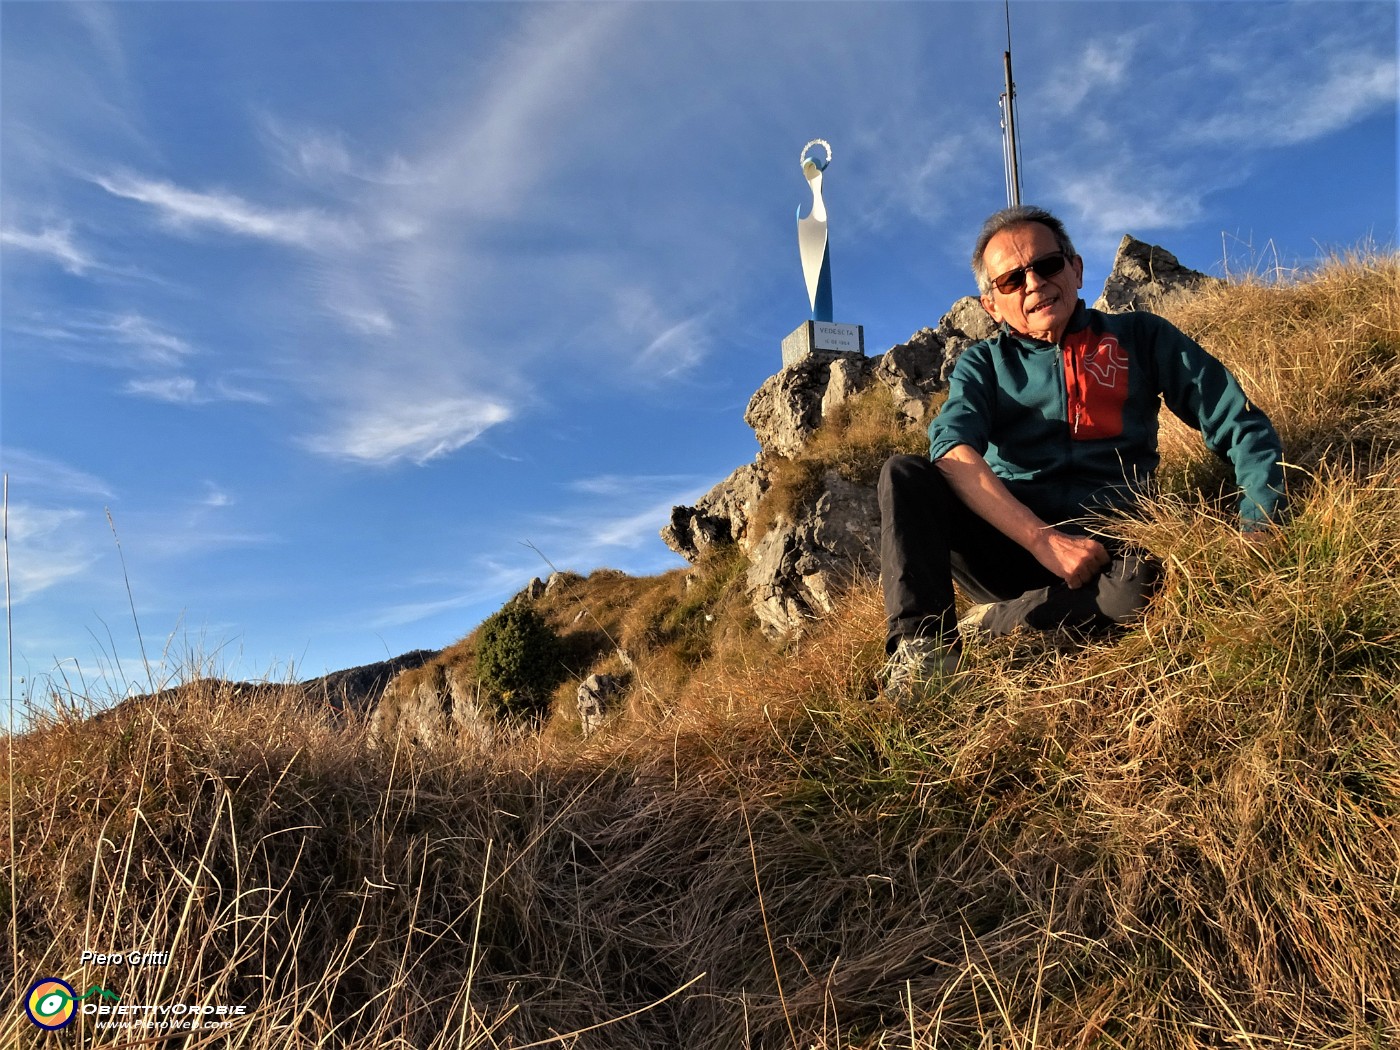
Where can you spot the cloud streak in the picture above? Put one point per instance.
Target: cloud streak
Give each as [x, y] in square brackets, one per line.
[414, 431]
[1299, 109]
[40, 473]
[45, 548]
[184, 390]
[184, 209]
[53, 242]
[149, 343]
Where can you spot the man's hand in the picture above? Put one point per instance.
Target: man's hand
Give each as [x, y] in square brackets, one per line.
[1075, 559]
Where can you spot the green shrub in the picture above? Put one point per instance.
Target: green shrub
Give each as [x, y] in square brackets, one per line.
[519, 661]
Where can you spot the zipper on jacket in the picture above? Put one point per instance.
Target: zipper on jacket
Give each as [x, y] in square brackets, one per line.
[1075, 393]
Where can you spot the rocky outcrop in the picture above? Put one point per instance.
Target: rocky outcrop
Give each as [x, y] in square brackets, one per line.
[966, 323]
[1144, 274]
[594, 696]
[797, 568]
[538, 588]
[915, 370]
[358, 688]
[436, 706]
[719, 517]
[789, 407]
[912, 372]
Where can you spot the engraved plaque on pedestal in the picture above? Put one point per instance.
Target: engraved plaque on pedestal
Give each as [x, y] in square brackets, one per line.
[812, 338]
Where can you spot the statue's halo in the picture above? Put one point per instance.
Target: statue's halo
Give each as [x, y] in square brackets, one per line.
[821, 165]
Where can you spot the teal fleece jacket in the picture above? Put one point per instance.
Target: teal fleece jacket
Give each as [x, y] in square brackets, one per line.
[1071, 427]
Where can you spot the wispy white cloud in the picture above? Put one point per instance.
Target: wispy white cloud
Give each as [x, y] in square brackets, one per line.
[629, 485]
[678, 349]
[617, 512]
[33, 472]
[1100, 66]
[414, 431]
[94, 335]
[628, 530]
[622, 511]
[1316, 99]
[178, 538]
[182, 209]
[364, 318]
[1124, 195]
[154, 344]
[920, 175]
[136, 343]
[320, 154]
[658, 346]
[411, 257]
[1117, 206]
[46, 548]
[53, 242]
[101, 26]
[185, 390]
[491, 162]
[179, 390]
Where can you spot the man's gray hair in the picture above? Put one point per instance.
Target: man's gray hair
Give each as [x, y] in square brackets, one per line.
[1005, 219]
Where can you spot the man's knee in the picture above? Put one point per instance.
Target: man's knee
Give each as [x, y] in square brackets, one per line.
[901, 466]
[904, 473]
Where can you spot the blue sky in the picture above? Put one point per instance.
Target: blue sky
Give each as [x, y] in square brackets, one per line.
[341, 308]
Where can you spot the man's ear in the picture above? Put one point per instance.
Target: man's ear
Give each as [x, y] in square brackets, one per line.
[1078, 264]
[989, 304]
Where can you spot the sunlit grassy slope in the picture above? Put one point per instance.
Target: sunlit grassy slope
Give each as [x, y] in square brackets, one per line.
[1186, 837]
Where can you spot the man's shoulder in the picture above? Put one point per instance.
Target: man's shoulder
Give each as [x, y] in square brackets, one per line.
[978, 355]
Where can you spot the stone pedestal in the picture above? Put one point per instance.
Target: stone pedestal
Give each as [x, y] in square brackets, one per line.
[812, 338]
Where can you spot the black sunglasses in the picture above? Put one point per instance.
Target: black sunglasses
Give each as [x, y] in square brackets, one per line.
[1048, 266]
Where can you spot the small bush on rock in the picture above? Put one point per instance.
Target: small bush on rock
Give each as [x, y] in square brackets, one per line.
[519, 660]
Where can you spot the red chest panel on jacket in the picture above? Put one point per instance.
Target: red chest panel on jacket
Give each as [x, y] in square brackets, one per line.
[1096, 382]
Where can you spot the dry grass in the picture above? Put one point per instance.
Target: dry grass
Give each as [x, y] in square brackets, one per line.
[1186, 837]
[1321, 355]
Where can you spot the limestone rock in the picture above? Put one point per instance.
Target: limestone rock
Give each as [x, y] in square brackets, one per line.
[438, 706]
[358, 689]
[533, 591]
[912, 372]
[916, 369]
[1142, 275]
[964, 324]
[594, 692]
[719, 517]
[559, 581]
[789, 407]
[799, 567]
[691, 532]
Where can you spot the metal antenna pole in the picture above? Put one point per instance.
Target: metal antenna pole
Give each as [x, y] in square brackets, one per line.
[1008, 124]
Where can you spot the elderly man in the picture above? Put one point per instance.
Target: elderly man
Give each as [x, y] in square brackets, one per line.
[1047, 424]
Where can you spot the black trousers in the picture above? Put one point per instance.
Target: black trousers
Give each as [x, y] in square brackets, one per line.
[929, 538]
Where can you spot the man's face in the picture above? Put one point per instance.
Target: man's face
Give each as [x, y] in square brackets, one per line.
[1042, 306]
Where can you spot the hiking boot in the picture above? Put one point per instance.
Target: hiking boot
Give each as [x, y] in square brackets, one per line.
[919, 665]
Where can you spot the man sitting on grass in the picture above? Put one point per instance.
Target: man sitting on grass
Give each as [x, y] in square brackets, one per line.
[1048, 423]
